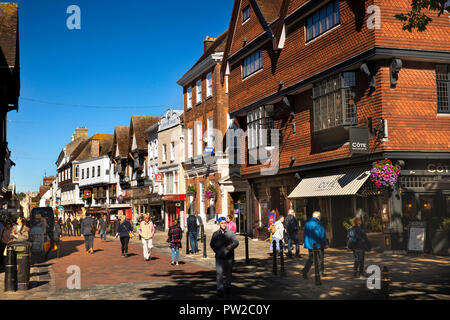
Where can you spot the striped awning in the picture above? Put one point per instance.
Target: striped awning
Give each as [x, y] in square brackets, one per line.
[345, 183]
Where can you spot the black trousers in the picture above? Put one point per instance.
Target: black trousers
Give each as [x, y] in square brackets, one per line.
[358, 266]
[124, 241]
[310, 260]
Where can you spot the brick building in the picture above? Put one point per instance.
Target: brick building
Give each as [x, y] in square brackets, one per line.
[304, 74]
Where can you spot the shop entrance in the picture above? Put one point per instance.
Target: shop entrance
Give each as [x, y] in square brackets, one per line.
[173, 211]
[239, 206]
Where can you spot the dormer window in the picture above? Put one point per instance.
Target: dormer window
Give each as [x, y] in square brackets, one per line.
[245, 14]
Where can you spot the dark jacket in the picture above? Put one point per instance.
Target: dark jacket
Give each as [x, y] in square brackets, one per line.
[103, 224]
[56, 232]
[86, 226]
[192, 223]
[175, 234]
[219, 242]
[291, 225]
[124, 228]
[362, 242]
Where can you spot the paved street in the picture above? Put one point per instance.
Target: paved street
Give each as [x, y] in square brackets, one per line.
[107, 275]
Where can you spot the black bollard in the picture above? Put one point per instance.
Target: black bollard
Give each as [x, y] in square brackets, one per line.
[247, 259]
[385, 283]
[202, 232]
[274, 248]
[204, 245]
[316, 265]
[187, 242]
[282, 273]
[11, 270]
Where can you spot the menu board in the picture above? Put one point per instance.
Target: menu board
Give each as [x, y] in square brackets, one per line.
[416, 236]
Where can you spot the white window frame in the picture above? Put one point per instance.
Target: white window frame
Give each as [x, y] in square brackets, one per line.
[172, 151]
[164, 154]
[199, 136]
[209, 130]
[198, 89]
[209, 86]
[189, 97]
[190, 143]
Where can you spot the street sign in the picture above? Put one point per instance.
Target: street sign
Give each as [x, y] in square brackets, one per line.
[158, 177]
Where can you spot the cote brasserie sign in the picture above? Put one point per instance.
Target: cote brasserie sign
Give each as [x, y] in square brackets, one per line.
[359, 140]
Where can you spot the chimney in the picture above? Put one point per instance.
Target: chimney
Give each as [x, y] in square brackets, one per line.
[95, 148]
[80, 132]
[207, 43]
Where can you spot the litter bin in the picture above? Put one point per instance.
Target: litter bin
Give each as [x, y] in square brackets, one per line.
[22, 249]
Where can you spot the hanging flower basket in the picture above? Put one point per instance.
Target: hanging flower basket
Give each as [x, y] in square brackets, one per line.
[210, 193]
[384, 173]
[191, 191]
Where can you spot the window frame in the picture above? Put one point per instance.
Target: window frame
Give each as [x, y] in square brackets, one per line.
[199, 136]
[198, 90]
[189, 97]
[249, 65]
[322, 20]
[190, 142]
[440, 83]
[246, 17]
[209, 86]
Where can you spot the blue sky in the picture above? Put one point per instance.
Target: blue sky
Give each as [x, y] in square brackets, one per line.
[127, 54]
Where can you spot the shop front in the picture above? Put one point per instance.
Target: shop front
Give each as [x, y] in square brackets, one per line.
[155, 205]
[174, 209]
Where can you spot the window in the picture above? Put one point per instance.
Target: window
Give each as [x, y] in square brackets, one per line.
[175, 182]
[77, 172]
[443, 88]
[199, 136]
[246, 14]
[82, 173]
[69, 174]
[322, 20]
[259, 126]
[209, 131]
[87, 173]
[93, 172]
[98, 171]
[252, 64]
[190, 143]
[169, 182]
[189, 98]
[226, 84]
[209, 85]
[164, 155]
[334, 101]
[172, 151]
[199, 91]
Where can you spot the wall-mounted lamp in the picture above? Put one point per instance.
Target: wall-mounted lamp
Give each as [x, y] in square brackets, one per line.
[395, 68]
[244, 42]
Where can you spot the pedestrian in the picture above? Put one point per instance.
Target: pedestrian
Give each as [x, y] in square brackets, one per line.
[223, 242]
[315, 233]
[358, 242]
[88, 231]
[103, 226]
[278, 234]
[192, 232]
[175, 235]
[75, 223]
[231, 225]
[5, 235]
[291, 227]
[56, 239]
[69, 226]
[146, 232]
[124, 230]
[61, 225]
[20, 232]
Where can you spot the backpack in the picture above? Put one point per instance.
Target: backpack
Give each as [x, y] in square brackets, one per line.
[352, 241]
[292, 226]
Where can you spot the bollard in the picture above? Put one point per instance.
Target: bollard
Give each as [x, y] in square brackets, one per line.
[11, 270]
[247, 259]
[204, 245]
[202, 232]
[187, 242]
[316, 265]
[385, 283]
[282, 273]
[274, 247]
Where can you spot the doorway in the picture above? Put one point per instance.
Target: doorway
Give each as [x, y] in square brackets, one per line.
[240, 211]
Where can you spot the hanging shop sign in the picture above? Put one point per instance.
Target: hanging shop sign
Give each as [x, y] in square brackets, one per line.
[359, 140]
[158, 177]
[87, 194]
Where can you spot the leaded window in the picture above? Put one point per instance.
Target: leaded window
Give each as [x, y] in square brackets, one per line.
[443, 88]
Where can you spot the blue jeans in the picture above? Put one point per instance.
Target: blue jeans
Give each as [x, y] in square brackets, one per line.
[103, 234]
[89, 241]
[223, 267]
[177, 250]
[193, 241]
[293, 238]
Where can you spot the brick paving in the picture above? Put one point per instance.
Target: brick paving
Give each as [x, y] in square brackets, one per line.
[107, 275]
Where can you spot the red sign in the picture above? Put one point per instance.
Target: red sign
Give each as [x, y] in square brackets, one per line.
[158, 177]
[87, 194]
[173, 197]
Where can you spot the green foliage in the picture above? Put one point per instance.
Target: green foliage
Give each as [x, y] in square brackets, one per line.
[374, 224]
[191, 191]
[416, 18]
[348, 223]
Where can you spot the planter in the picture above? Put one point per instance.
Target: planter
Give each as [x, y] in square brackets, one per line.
[439, 242]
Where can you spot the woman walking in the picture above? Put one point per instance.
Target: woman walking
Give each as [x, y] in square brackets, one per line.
[124, 230]
[146, 232]
[175, 234]
[278, 235]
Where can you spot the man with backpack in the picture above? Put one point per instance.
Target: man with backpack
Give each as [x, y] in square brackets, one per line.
[357, 242]
[291, 227]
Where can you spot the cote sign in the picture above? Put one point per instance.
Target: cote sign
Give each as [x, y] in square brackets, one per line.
[359, 140]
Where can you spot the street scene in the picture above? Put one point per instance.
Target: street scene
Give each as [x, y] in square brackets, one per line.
[254, 150]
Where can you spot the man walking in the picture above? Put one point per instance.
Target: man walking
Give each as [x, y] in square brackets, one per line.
[88, 231]
[146, 231]
[192, 232]
[291, 225]
[315, 234]
[223, 243]
[75, 223]
[69, 226]
[358, 242]
[103, 225]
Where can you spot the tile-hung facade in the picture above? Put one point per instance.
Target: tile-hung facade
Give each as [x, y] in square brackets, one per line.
[155, 189]
[206, 121]
[119, 157]
[138, 164]
[9, 88]
[170, 159]
[314, 71]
